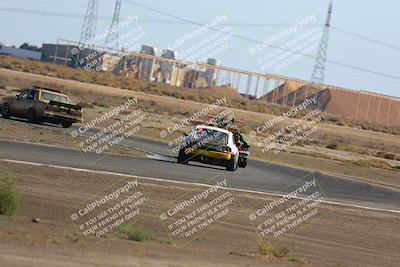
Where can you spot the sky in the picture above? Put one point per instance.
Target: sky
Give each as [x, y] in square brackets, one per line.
[43, 21]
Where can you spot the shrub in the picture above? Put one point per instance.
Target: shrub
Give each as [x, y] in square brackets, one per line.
[9, 195]
[101, 104]
[389, 156]
[85, 105]
[341, 123]
[137, 234]
[266, 249]
[332, 146]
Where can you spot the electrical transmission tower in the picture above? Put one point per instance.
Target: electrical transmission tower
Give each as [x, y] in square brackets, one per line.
[113, 34]
[89, 24]
[318, 75]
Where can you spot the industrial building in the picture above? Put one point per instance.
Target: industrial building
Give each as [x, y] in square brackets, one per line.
[59, 54]
[166, 68]
[69, 54]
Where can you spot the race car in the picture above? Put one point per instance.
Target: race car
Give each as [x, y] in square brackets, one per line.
[41, 104]
[215, 144]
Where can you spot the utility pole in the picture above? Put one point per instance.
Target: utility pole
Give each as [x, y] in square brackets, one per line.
[113, 34]
[318, 75]
[88, 30]
[89, 23]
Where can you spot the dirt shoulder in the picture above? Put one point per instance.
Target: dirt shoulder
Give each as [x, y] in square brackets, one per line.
[342, 237]
[22, 131]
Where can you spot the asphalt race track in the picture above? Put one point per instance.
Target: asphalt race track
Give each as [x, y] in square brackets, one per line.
[258, 176]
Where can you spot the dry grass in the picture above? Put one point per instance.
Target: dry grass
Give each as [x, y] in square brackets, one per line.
[268, 250]
[380, 164]
[197, 95]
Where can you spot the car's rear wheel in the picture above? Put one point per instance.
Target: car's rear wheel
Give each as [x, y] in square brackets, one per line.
[5, 111]
[183, 158]
[232, 163]
[66, 124]
[31, 116]
[242, 163]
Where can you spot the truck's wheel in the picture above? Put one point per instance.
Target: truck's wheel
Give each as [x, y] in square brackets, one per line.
[183, 157]
[232, 164]
[5, 111]
[66, 124]
[31, 116]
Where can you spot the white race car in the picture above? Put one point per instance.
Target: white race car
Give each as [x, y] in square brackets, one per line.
[212, 145]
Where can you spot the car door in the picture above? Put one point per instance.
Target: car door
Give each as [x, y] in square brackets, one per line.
[28, 103]
[18, 104]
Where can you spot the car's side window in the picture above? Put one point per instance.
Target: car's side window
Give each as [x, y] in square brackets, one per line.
[31, 95]
[23, 95]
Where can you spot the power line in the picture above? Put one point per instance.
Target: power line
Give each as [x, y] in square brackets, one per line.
[366, 38]
[163, 21]
[80, 16]
[47, 13]
[154, 20]
[259, 42]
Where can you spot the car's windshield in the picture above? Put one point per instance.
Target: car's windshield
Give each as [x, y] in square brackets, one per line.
[47, 96]
[211, 137]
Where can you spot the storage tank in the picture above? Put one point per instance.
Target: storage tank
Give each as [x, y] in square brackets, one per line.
[166, 67]
[147, 65]
[211, 72]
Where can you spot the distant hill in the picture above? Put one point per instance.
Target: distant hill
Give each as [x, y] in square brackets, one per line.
[356, 105]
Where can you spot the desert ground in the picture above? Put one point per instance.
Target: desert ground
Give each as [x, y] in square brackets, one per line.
[42, 232]
[343, 237]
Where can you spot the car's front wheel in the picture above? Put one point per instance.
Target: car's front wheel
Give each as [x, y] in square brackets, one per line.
[31, 116]
[232, 163]
[183, 157]
[66, 124]
[5, 111]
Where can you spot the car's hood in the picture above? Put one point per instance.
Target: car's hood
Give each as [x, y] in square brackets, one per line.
[6, 98]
